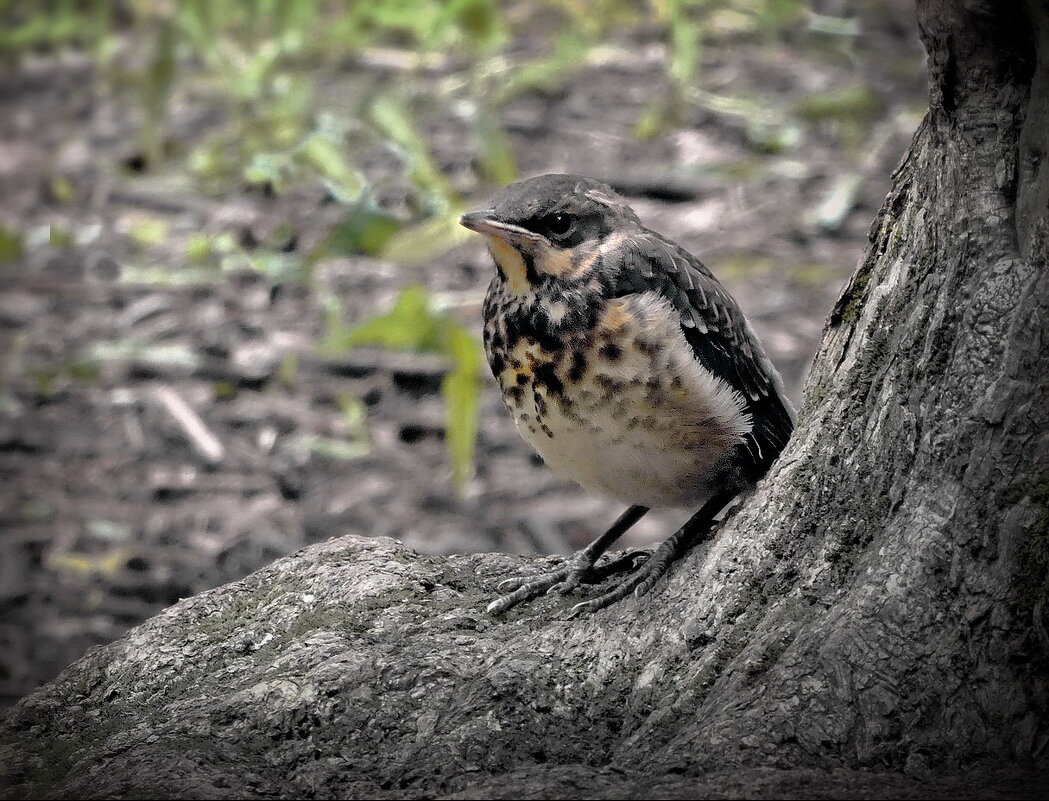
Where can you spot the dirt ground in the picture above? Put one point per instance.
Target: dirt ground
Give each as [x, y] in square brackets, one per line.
[113, 506]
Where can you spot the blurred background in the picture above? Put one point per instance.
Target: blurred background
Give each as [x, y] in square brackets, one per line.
[237, 315]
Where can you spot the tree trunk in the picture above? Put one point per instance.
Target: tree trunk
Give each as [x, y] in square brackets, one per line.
[872, 620]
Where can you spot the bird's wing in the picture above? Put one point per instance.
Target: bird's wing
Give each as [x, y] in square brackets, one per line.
[721, 338]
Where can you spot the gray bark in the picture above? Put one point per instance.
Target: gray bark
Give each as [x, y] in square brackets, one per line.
[870, 622]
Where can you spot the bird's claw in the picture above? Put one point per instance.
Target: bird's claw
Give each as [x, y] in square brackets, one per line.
[580, 570]
[528, 589]
[525, 591]
[568, 586]
[637, 584]
[511, 584]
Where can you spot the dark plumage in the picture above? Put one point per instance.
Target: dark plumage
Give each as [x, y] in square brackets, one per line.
[721, 338]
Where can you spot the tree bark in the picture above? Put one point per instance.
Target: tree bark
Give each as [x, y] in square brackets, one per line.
[872, 620]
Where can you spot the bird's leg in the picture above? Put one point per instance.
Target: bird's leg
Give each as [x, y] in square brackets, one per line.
[696, 529]
[571, 575]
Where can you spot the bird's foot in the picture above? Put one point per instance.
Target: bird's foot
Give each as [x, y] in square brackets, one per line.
[640, 582]
[579, 570]
[583, 568]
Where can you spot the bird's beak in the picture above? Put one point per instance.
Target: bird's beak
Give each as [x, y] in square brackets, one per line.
[484, 222]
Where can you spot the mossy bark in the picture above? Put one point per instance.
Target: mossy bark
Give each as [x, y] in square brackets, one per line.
[871, 621]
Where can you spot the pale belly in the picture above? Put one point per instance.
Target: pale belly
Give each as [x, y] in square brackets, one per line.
[626, 410]
[642, 456]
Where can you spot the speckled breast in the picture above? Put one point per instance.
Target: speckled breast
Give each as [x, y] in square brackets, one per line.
[620, 405]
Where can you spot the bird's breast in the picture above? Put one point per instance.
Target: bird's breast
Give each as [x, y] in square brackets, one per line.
[622, 406]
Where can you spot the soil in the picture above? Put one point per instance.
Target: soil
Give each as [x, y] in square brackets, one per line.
[114, 505]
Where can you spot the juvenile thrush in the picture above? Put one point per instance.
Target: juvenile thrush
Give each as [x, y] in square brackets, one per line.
[627, 365]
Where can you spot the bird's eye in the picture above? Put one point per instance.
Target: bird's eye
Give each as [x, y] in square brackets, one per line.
[558, 224]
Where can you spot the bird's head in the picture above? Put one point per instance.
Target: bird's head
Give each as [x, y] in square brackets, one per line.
[551, 226]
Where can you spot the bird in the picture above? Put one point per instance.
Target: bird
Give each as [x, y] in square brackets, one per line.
[628, 367]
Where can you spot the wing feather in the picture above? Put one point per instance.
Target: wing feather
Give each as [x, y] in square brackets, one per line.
[720, 336]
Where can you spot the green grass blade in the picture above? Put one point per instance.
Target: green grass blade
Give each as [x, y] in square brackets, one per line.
[461, 389]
